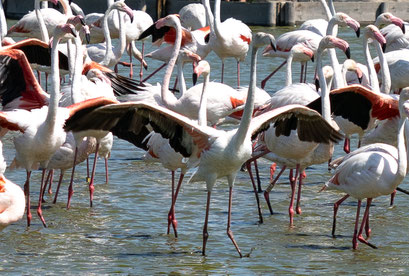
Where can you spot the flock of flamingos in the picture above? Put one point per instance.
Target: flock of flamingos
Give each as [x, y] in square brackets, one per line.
[295, 128]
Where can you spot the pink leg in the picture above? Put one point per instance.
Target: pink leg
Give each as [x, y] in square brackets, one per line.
[91, 183]
[205, 233]
[263, 82]
[298, 208]
[229, 232]
[58, 186]
[222, 70]
[364, 220]
[293, 182]
[40, 199]
[257, 177]
[154, 72]
[130, 61]
[27, 193]
[238, 73]
[393, 197]
[141, 71]
[170, 217]
[106, 170]
[71, 188]
[354, 238]
[334, 220]
[267, 191]
[172, 209]
[51, 176]
[260, 215]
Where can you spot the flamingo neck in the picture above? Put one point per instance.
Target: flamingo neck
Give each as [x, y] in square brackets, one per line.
[202, 116]
[288, 76]
[209, 14]
[181, 78]
[373, 78]
[118, 51]
[386, 76]
[55, 84]
[332, 29]
[107, 36]
[43, 29]
[217, 23]
[244, 126]
[168, 98]
[76, 76]
[331, 7]
[326, 9]
[66, 7]
[325, 102]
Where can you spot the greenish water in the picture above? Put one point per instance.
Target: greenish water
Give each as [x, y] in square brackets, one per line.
[125, 231]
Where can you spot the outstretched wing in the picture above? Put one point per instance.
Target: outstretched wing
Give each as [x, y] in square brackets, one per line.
[137, 119]
[310, 125]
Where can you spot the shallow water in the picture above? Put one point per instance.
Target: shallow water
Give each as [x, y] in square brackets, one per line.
[125, 231]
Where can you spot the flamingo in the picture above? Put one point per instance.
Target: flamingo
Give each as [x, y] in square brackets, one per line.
[371, 172]
[215, 147]
[394, 32]
[12, 199]
[43, 124]
[230, 38]
[33, 23]
[106, 55]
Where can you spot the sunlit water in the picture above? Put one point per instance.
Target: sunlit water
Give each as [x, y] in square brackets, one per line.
[125, 231]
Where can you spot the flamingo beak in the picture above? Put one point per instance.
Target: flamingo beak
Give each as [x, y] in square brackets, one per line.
[358, 32]
[88, 37]
[398, 22]
[82, 21]
[273, 46]
[194, 78]
[317, 84]
[383, 47]
[312, 58]
[348, 53]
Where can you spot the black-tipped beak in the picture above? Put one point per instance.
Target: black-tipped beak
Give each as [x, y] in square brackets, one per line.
[348, 53]
[82, 21]
[194, 78]
[145, 66]
[360, 80]
[317, 84]
[312, 58]
[383, 47]
[403, 28]
[358, 32]
[273, 46]
[87, 38]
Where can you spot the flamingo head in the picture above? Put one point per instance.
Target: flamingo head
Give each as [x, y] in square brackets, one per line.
[121, 6]
[330, 41]
[261, 39]
[345, 20]
[87, 33]
[328, 75]
[388, 18]
[351, 65]
[372, 32]
[63, 30]
[169, 21]
[200, 68]
[77, 21]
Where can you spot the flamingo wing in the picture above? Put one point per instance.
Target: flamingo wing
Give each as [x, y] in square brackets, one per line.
[358, 104]
[137, 119]
[310, 125]
[18, 80]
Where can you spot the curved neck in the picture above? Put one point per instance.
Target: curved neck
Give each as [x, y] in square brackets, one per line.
[112, 56]
[332, 29]
[66, 7]
[326, 9]
[202, 116]
[168, 98]
[373, 78]
[43, 29]
[209, 14]
[386, 76]
[331, 7]
[288, 76]
[325, 102]
[243, 130]
[217, 18]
